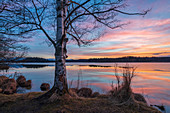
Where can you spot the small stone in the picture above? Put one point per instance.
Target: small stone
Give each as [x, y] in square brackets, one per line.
[45, 86]
[21, 80]
[95, 94]
[28, 83]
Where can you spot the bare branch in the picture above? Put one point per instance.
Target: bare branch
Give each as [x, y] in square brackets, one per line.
[78, 42]
[51, 40]
[36, 12]
[73, 11]
[21, 33]
[101, 12]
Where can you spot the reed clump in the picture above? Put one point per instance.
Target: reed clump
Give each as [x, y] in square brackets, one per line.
[122, 90]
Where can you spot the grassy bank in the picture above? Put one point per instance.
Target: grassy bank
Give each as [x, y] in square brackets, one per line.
[24, 103]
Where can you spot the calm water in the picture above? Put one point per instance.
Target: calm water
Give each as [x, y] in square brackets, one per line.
[152, 79]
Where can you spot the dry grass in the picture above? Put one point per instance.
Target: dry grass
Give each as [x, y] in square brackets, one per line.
[122, 90]
[24, 103]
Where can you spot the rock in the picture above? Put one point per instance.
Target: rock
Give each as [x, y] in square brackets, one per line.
[21, 81]
[95, 94]
[9, 86]
[45, 86]
[84, 92]
[28, 83]
[139, 97]
[10, 80]
[2, 79]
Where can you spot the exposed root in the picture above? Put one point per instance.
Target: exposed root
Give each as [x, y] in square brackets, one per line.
[47, 95]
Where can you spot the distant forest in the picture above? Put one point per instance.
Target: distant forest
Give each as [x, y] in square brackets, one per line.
[121, 59]
[131, 59]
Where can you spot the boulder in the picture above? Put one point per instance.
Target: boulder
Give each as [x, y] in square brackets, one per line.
[2, 79]
[84, 92]
[9, 86]
[95, 94]
[9, 81]
[21, 80]
[45, 86]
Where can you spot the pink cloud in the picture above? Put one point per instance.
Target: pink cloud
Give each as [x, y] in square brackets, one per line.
[145, 37]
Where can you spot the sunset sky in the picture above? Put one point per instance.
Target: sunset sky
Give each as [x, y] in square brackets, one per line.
[144, 36]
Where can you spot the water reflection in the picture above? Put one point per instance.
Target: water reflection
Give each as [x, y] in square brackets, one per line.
[152, 79]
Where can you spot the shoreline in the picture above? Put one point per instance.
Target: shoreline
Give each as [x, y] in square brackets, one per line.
[25, 103]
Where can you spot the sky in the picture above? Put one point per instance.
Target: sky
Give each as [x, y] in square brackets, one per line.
[147, 35]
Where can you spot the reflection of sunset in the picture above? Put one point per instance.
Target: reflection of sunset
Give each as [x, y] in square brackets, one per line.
[154, 78]
[151, 79]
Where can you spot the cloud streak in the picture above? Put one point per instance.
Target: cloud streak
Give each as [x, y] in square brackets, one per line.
[148, 36]
[151, 38]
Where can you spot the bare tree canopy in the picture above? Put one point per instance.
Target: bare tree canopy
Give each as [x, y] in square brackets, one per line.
[10, 48]
[60, 21]
[83, 17]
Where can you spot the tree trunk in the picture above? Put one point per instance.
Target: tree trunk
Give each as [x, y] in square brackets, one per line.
[60, 82]
[60, 86]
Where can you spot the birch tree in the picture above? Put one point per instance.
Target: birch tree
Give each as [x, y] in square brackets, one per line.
[60, 21]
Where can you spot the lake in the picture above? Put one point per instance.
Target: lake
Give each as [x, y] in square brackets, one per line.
[152, 79]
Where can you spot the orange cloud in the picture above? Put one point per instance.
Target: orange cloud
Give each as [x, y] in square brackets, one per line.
[145, 37]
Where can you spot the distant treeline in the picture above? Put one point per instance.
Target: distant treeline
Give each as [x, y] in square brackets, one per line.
[125, 59]
[27, 59]
[35, 59]
[121, 59]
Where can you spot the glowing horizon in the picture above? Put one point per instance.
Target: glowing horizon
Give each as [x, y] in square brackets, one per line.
[147, 36]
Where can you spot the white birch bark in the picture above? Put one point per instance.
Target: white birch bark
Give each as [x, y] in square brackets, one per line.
[60, 82]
